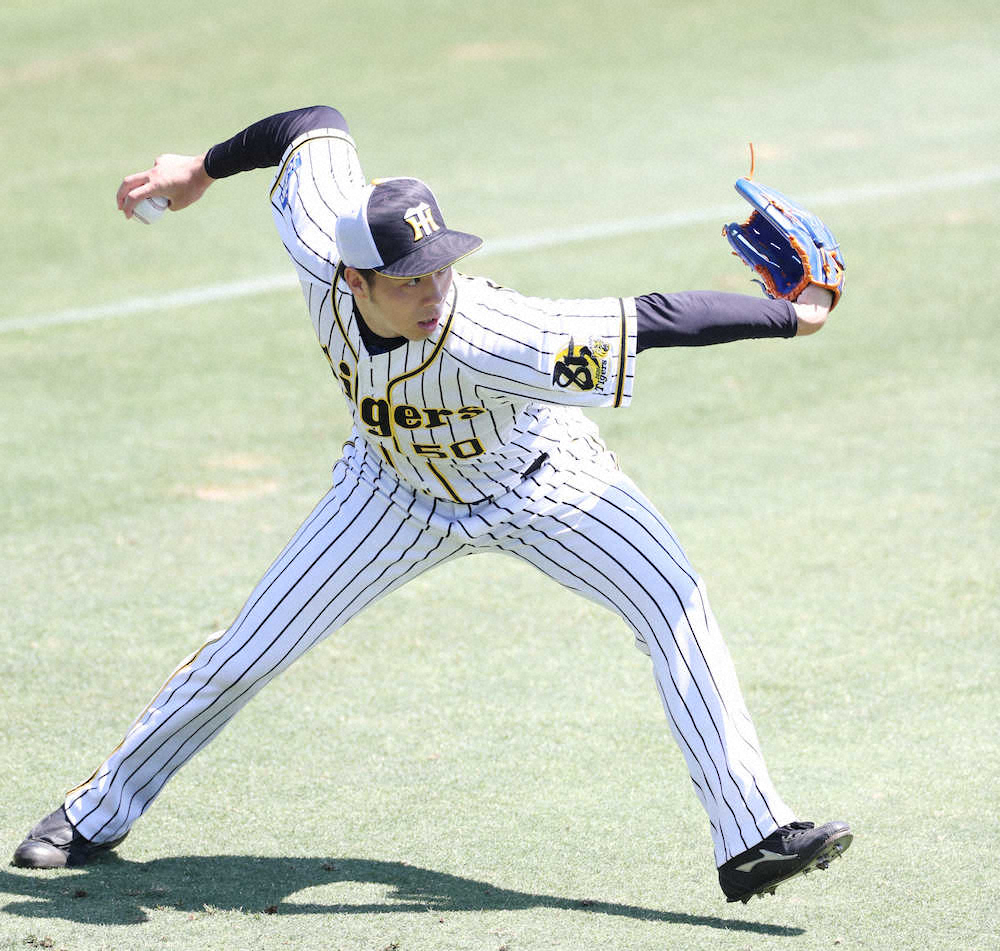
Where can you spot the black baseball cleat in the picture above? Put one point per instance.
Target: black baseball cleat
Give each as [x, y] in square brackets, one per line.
[791, 850]
[55, 843]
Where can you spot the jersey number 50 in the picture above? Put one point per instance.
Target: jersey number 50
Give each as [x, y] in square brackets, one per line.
[463, 449]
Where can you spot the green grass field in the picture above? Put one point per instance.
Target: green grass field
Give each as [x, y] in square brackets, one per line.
[481, 761]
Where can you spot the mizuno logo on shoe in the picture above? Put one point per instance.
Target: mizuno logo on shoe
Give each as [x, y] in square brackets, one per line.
[765, 856]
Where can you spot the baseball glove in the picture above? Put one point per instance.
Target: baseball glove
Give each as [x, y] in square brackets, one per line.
[787, 246]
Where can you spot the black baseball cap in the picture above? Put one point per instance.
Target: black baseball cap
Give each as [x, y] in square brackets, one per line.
[398, 230]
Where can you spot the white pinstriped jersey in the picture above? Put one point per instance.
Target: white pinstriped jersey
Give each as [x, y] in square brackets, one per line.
[461, 415]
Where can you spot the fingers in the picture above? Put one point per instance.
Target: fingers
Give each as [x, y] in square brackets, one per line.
[157, 180]
[133, 189]
[181, 179]
[819, 296]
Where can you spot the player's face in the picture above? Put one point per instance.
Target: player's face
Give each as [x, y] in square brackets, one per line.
[397, 307]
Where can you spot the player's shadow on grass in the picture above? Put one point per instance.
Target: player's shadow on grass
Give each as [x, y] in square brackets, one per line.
[113, 891]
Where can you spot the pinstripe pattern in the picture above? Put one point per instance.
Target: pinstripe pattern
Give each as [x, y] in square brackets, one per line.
[494, 355]
[353, 549]
[496, 376]
[470, 440]
[595, 533]
[319, 178]
[581, 522]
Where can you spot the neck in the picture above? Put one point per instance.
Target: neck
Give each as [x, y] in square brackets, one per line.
[374, 342]
[370, 322]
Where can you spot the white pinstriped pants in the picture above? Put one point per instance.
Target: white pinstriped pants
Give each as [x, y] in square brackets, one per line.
[590, 529]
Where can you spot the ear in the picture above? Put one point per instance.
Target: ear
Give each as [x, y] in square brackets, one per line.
[357, 284]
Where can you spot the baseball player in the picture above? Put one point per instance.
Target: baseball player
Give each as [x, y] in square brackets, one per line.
[467, 436]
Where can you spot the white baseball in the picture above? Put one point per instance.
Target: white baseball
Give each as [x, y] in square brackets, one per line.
[150, 209]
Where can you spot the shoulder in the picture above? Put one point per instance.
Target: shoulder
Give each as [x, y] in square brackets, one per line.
[329, 154]
[485, 310]
[473, 288]
[480, 296]
[486, 300]
[319, 179]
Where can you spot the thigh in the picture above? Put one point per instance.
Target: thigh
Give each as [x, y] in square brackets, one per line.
[354, 548]
[594, 532]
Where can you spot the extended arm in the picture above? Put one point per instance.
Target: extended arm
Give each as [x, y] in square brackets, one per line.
[183, 179]
[702, 318]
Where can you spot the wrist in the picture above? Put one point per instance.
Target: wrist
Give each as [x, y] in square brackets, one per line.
[201, 174]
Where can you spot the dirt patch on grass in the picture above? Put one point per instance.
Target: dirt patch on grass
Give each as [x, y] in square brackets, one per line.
[495, 52]
[238, 492]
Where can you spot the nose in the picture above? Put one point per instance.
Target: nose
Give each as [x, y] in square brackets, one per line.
[441, 282]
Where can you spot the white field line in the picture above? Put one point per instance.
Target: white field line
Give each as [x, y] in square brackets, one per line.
[527, 242]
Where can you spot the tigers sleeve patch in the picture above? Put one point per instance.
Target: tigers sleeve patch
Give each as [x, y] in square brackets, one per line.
[582, 366]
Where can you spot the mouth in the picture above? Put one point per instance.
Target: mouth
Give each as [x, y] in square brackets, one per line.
[431, 322]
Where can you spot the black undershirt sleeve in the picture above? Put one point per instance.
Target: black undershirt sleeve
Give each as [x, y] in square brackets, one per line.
[262, 144]
[701, 318]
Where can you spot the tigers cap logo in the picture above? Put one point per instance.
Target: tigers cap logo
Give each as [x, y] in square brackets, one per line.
[421, 220]
[397, 228]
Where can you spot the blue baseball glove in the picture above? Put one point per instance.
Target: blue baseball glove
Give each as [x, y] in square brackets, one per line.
[787, 246]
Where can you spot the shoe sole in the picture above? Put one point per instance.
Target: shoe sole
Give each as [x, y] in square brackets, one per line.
[831, 849]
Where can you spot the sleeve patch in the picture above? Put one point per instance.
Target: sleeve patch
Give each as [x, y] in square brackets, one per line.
[582, 366]
[288, 185]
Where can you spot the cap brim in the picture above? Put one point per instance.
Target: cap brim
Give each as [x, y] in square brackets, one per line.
[438, 253]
